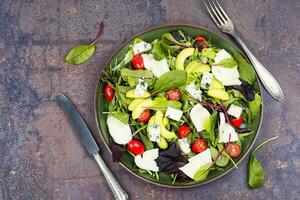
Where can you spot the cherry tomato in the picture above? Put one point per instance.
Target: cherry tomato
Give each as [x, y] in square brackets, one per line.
[109, 93]
[233, 150]
[174, 94]
[200, 38]
[237, 121]
[199, 145]
[136, 147]
[137, 62]
[184, 131]
[145, 116]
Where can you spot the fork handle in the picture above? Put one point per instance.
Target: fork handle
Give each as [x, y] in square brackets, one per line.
[268, 81]
[118, 192]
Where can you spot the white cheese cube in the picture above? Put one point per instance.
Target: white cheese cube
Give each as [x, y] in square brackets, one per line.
[206, 80]
[184, 145]
[154, 132]
[173, 113]
[194, 91]
[141, 47]
[226, 131]
[235, 111]
[141, 87]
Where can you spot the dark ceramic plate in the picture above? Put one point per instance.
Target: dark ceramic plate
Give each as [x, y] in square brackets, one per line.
[127, 160]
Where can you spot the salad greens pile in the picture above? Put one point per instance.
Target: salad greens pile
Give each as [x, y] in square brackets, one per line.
[180, 105]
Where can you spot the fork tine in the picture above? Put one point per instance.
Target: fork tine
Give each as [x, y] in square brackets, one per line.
[217, 10]
[212, 16]
[215, 14]
[222, 11]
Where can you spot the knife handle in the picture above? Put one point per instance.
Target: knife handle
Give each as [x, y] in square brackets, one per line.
[118, 192]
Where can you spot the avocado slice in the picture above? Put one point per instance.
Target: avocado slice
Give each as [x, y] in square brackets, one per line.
[182, 56]
[162, 143]
[218, 94]
[197, 66]
[133, 104]
[140, 107]
[131, 94]
[215, 84]
[163, 131]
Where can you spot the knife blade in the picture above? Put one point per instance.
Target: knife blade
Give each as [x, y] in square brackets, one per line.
[89, 143]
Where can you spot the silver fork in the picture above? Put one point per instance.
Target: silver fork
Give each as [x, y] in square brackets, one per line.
[225, 24]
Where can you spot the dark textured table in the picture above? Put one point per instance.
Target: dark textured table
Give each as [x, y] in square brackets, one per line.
[40, 157]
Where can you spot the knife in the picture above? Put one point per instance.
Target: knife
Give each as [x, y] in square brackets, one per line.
[86, 138]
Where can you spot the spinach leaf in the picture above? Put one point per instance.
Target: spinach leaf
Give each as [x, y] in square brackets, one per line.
[160, 103]
[122, 116]
[128, 57]
[222, 161]
[202, 172]
[148, 144]
[254, 105]
[121, 94]
[256, 173]
[171, 79]
[132, 76]
[246, 70]
[210, 126]
[83, 53]
[227, 62]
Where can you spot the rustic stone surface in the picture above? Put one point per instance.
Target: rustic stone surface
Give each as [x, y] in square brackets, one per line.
[40, 157]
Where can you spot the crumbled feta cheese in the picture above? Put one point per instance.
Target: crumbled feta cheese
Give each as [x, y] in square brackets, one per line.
[206, 80]
[235, 111]
[141, 87]
[194, 91]
[141, 47]
[226, 131]
[173, 113]
[199, 160]
[158, 67]
[199, 116]
[154, 132]
[184, 145]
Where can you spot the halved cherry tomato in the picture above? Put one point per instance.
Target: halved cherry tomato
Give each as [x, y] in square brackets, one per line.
[137, 62]
[183, 131]
[199, 145]
[200, 38]
[174, 94]
[233, 150]
[136, 147]
[237, 122]
[109, 93]
[145, 116]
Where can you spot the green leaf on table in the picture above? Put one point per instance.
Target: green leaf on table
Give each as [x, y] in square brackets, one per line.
[171, 79]
[80, 54]
[227, 62]
[247, 73]
[256, 174]
[254, 105]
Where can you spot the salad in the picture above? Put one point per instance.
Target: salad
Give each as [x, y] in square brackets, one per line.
[180, 106]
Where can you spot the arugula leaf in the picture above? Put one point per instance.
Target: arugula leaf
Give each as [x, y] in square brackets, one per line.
[122, 116]
[171, 79]
[209, 53]
[227, 62]
[82, 53]
[121, 94]
[256, 174]
[157, 51]
[132, 76]
[160, 103]
[254, 105]
[246, 70]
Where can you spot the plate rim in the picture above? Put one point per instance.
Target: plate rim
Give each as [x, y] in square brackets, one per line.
[172, 26]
